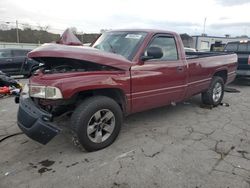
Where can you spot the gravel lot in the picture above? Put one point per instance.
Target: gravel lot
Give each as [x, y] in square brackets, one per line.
[175, 146]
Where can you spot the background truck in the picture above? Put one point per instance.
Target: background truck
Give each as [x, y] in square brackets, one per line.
[124, 72]
[242, 49]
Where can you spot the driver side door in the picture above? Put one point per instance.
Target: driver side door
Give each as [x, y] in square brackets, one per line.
[159, 82]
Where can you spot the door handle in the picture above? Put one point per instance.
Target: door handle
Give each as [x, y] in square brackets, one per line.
[180, 69]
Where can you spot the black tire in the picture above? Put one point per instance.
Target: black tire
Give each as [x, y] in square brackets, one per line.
[207, 97]
[82, 116]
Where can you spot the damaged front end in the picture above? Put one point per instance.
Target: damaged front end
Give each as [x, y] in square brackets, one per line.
[38, 114]
[59, 83]
[43, 101]
[39, 107]
[35, 122]
[54, 65]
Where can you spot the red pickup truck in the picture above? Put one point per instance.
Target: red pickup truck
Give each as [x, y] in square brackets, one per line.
[125, 71]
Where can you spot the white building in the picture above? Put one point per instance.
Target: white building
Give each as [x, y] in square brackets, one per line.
[204, 43]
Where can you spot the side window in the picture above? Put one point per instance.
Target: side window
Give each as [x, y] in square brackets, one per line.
[5, 53]
[168, 46]
[19, 53]
[232, 47]
[242, 47]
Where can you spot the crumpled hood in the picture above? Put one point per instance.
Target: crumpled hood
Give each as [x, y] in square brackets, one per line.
[68, 38]
[81, 53]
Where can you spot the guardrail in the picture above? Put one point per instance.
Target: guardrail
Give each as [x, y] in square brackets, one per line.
[18, 45]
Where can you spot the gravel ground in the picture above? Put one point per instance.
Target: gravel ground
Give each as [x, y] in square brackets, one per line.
[175, 146]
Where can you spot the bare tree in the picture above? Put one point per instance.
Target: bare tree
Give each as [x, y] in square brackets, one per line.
[43, 28]
[4, 27]
[26, 26]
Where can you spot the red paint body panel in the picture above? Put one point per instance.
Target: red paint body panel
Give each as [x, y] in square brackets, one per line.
[81, 53]
[201, 71]
[156, 83]
[146, 84]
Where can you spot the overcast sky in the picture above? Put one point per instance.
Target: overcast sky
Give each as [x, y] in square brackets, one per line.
[223, 16]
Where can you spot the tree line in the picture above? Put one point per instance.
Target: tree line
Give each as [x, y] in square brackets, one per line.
[29, 35]
[40, 36]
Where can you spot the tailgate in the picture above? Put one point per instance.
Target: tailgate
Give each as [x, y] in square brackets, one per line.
[243, 61]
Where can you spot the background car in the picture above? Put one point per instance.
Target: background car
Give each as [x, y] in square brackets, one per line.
[15, 61]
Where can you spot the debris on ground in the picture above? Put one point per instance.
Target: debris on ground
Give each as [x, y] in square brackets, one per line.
[9, 86]
[224, 104]
[9, 173]
[11, 135]
[6, 80]
[210, 107]
[125, 154]
[231, 90]
[206, 106]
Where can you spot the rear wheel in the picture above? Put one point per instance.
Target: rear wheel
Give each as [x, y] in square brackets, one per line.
[96, 122]
[214, 95]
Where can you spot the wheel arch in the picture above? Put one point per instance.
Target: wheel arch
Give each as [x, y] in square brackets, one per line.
[114, 93]
[222, 73]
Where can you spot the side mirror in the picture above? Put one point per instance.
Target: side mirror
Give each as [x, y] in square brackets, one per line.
[152, 53]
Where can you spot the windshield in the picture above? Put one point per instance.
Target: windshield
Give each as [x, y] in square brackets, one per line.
[120, 42]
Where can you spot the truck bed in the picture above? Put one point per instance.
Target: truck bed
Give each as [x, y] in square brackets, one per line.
[202, 66]
[195, 55]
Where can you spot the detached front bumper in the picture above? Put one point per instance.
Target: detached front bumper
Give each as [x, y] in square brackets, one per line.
[35, 122]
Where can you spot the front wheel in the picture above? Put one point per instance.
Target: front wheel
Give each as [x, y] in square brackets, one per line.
[96, 122]
[214, 95]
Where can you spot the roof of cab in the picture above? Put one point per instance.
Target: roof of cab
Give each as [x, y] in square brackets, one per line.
[152, 31]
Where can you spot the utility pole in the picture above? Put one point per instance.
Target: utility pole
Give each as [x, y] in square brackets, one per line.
[17, 34]
[204, 26]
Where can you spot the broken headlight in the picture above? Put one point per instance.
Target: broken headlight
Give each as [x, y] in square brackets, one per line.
[45, 92]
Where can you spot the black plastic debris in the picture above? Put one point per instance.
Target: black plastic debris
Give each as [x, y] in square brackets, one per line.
[210, 107]
[231, 90]
[206, 106]
[224, 104]
[9, 136]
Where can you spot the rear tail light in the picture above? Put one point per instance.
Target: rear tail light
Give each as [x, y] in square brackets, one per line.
[249, 60]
